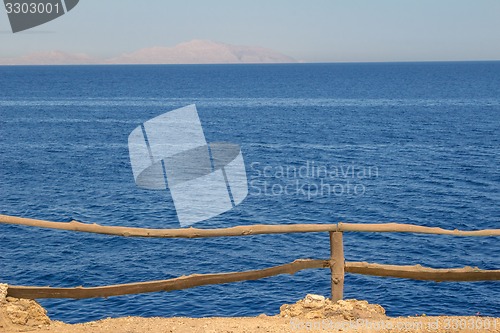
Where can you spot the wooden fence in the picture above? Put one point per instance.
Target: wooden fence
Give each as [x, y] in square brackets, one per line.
[336, 263]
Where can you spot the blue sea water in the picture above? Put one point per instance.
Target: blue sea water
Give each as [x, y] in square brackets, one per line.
[392, 142]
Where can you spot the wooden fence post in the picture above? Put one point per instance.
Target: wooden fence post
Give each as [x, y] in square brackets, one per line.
[337, 265]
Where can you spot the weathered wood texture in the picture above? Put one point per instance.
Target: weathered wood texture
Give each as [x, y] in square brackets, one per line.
[337, 265]
[184, 282]
[419, 272]
[337, 256]
[169, 233]
[240, 230]
[410, 228]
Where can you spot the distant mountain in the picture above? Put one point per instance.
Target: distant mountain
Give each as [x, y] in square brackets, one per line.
[203, 52]
[50, 58]
[193, 52]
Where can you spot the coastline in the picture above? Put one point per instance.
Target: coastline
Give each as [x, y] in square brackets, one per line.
[272, 324]
[314, 313]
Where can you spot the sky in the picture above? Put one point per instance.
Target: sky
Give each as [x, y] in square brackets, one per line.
[307, 30]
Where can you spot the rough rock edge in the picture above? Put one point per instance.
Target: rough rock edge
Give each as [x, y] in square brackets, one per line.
[3, 292]
[319, 307]
[20, 314]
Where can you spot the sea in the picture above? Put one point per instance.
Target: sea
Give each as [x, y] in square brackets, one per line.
[414, 143]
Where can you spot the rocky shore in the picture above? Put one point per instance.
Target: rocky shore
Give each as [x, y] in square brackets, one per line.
[314, 313]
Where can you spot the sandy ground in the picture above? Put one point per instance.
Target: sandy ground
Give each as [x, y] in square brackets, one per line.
[312, 314]
[271, 324]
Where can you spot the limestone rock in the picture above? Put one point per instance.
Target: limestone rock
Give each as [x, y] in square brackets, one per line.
[314, 301]
[3, 292]
[318, 307]
[18, 313]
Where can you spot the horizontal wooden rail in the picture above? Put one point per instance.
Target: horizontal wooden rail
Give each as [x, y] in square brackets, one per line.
[419, 272]
[169, 233]
[400, 227]
[258, 229]
[184, 282]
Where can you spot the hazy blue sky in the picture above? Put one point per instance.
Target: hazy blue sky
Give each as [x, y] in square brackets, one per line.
[313, 30]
